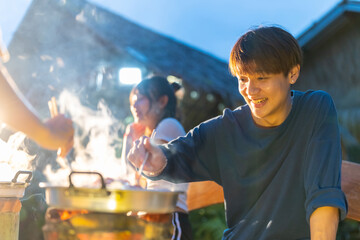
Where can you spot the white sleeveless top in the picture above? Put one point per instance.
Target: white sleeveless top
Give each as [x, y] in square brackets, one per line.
[167, 130]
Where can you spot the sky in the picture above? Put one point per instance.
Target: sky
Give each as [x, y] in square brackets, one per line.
[212, 26]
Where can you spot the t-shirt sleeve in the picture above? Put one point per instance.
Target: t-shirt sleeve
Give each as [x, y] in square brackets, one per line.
[193, 156]
[323, 160]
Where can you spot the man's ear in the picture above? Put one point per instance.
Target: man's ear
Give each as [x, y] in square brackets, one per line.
[163, 101]
[294, 74]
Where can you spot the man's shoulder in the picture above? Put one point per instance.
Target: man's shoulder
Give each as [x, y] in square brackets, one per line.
[315, 95]
[237, 112]
[230, 115]
[228, 119]
[317, 104]
[314, 100]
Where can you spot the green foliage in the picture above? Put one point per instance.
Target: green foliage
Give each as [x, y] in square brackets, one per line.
[208, 223]
[348, 230]
[32, 217]
[353, 153]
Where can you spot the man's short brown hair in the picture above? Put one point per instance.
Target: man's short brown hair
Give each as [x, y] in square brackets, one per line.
[265, 50]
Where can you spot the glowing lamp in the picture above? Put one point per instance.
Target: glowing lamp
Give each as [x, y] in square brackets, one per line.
[129, 75]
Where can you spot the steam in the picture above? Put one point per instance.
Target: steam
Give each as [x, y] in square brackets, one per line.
[95, 142]
[12, 159]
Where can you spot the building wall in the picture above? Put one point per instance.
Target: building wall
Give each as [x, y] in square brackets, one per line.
[334, 66]
[48, 56]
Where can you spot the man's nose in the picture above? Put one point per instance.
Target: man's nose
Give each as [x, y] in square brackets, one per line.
[252, 87]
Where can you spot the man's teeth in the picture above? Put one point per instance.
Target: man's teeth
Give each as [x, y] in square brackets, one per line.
[257, 101]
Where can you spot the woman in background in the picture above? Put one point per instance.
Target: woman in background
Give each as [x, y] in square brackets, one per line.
[153, 106]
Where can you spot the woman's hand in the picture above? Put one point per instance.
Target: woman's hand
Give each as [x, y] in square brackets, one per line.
[156, 161]
[135, 131]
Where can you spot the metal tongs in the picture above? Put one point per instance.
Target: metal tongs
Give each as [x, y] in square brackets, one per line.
[141, 168]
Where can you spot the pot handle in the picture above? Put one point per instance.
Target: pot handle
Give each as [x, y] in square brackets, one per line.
[28, 179]
[103, 186]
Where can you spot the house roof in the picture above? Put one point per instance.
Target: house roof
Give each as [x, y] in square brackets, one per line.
[160, 53]
[334, 20]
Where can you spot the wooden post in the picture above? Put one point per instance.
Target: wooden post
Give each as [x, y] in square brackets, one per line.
[203, 194]
[350, 184]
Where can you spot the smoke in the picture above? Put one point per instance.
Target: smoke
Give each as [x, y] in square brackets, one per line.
[96, 143]
[12, 159]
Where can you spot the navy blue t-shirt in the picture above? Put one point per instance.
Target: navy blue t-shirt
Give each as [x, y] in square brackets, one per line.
[273, 178]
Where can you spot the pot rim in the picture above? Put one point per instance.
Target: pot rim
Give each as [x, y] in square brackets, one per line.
[110, 199]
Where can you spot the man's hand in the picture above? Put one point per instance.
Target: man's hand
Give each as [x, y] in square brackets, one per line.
[324, 223]
[156, 159]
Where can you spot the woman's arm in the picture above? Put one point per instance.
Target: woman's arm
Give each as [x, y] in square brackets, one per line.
[133, 132]
[324, 223]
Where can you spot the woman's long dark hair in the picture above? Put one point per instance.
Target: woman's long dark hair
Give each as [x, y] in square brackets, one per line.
[154, 88]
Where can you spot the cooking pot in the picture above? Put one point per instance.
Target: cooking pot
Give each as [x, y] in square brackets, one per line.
[13, 188]
[10, 205]
[105, 199]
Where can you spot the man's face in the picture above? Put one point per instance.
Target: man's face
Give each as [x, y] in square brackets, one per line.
[268, 96]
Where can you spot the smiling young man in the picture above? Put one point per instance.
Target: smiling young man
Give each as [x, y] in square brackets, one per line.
[278, 157]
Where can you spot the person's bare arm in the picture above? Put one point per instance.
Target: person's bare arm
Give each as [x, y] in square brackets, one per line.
[56, 133]
[324, 223]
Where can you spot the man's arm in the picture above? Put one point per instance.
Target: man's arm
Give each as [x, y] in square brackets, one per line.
[324, 223]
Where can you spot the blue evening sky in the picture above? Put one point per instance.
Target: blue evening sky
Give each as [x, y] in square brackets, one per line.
[212, 26]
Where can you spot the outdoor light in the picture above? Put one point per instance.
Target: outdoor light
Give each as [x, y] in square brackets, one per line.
[172, 79]
[210, 97]
[99, 80]
[129, 75]
[181, 92]
[194, 95]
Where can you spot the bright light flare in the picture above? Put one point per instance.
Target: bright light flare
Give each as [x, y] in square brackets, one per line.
[129, 76]
[4, 53]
